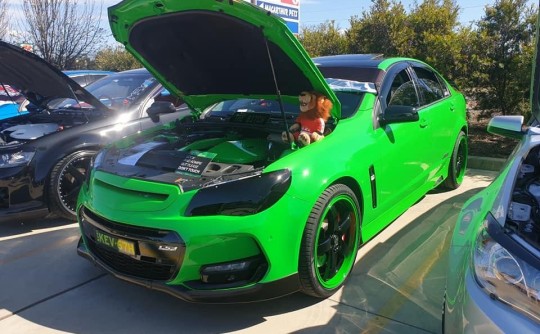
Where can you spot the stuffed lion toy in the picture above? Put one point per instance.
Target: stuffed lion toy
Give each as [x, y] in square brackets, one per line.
[309, 126]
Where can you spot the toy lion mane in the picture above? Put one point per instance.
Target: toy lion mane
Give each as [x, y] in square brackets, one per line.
[318, 104]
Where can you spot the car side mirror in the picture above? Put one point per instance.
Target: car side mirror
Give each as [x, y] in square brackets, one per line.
[160, 107]
[398, 114]
[507, 126]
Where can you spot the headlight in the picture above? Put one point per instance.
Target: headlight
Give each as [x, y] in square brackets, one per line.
[506, 271]
[15, 159]
[241, 198]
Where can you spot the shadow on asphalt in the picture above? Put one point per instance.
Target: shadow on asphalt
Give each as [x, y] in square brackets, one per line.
[21, 227]
[396, 287]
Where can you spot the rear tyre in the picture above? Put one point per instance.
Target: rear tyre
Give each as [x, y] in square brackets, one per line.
[330, 242]
[458, 163]
[65, 182]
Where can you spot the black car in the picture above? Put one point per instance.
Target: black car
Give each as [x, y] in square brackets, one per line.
[44, 153]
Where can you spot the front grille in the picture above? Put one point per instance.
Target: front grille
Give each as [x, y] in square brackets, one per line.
[158, 253]
[127, 265]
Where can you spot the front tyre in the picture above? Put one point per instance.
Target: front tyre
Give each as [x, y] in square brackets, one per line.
[330, 242]
[458, 163]
[65, 182]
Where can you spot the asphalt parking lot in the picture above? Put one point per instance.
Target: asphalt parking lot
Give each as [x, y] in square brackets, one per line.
[396, 286]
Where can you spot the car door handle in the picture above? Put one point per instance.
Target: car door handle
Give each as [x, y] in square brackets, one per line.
[423, 123]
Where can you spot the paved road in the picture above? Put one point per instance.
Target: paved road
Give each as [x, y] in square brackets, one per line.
[396, 286]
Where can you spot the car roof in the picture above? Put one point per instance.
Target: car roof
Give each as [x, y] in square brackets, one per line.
[85, 72]
[352, 60]
[134, 71]
[356, 67]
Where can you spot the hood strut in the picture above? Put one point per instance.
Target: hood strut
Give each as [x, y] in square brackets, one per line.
[278, 93]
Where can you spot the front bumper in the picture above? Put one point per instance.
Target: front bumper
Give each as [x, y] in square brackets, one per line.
[161, 260]
[20, 197]
[255, 292]
[476, 312]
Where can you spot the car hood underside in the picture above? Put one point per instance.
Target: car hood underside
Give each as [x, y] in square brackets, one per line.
[217, 50]
[36, 79]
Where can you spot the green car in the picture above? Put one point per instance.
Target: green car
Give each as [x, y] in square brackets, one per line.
[221, 206]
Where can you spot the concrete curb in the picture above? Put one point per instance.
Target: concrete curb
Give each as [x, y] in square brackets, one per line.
[494, 164]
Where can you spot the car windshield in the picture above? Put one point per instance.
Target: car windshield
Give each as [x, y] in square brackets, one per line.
[349, 104]
[118, 91]
[229, 107]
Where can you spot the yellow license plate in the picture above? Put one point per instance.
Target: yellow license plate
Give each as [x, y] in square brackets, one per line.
[126, 247]
[123, 246]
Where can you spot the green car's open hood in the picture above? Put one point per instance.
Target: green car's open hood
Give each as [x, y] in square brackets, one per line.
[210, 50]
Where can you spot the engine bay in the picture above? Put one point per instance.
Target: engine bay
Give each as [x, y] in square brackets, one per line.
[199, 154]
[523, 216]
[30, 126]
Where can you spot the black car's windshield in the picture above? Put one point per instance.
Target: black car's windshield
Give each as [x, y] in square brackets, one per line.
[117, 91]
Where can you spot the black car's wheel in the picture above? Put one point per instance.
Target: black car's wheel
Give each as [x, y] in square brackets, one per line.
[330, 242]
[458, 163]
[66, 180]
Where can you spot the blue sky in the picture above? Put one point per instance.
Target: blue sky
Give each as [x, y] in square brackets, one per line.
[313, 12]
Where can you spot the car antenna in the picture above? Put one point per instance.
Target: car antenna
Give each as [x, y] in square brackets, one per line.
[280, 101]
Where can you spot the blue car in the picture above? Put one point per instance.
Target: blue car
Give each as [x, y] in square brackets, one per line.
[10, 100]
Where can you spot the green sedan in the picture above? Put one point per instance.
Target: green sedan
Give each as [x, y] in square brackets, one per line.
[221, 206]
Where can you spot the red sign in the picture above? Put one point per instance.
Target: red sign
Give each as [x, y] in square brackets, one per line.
[291, 2]
[27, 47]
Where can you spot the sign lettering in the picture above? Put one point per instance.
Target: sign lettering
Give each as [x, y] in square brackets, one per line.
[287, 13]
[193, 164]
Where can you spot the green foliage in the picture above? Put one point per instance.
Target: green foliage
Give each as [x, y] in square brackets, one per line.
[115, 59]
[384, 29]
[435, 38]
[504, 51]
[323, 40]
[490, 60]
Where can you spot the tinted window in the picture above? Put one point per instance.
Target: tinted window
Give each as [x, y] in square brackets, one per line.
[349, 103]
[429, 85]
[81, 80]
[403, 91]
[93, 77]
[229, 107]
[120, 91]
[115, 91]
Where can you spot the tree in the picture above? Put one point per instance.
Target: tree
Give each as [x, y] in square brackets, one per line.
[115, 59]
[383, 29]
[435, 26]
[504, 56]
[323, 40]
[63, 30]
[4, 24]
